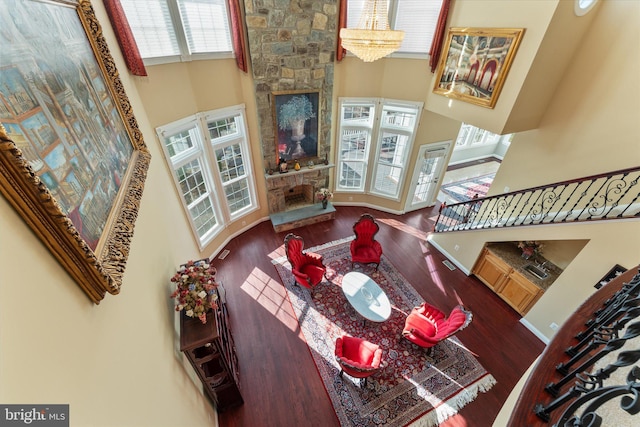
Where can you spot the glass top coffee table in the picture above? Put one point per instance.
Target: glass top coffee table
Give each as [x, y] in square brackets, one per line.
[366, 297]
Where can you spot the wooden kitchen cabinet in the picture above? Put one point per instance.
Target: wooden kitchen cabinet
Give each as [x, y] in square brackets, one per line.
[514, 288]
[519, 292]
[491, 270]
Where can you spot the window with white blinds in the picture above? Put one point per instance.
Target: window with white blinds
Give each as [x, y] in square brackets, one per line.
[151, 24]
[417, 18]
[178, 29]
[206, 25]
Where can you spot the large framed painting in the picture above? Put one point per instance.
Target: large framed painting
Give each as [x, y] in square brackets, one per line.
[72, 159]
[475, 63]
[295, 115]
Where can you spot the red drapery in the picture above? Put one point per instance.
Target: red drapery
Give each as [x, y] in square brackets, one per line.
[125, 38]
[237, 34]
[342, 23]
[438, 35]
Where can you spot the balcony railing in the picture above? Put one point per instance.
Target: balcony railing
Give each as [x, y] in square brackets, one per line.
[607, 196]
[597, 382]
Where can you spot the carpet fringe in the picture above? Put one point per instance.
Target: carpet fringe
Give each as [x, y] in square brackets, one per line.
[451, 406]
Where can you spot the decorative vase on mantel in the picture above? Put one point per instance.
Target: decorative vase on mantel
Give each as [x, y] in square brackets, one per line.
[325, 202]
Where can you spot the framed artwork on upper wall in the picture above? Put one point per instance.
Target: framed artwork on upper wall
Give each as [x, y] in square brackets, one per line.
[72, 159]
[475, 63]
[295, 116]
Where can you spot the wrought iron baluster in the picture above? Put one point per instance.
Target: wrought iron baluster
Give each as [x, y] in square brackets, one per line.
[632, 331]
[634, 202]
[532, 210]
[523, 205]
[623, 194]
[601, 335]
[599, 395]
[586, 206]
[589, 385]
[611, 314]
[616, 326]
[491, 210]
[574, 187]
[598, 197]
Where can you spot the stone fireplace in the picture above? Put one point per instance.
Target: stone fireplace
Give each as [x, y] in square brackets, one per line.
[298, 196]
[292, 46]
[296, 189]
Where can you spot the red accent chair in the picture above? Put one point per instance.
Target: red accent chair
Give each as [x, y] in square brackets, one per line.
[364, 248]
[357, 357]
[307, 267]
[426, 326]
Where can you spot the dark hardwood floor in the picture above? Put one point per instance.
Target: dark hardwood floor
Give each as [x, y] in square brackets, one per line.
[278, 378]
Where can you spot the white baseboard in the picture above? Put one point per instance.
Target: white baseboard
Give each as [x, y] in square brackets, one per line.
[368, 205]
[535, 331]
[236, 234]
[448, 255]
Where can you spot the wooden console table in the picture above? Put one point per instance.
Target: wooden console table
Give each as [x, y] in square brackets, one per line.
[210, 349]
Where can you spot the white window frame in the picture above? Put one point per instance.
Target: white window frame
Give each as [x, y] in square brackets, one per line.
[204, 150]
[470, 136]
[375, 131]
[419, 28]
[361, 127]
[177, 30]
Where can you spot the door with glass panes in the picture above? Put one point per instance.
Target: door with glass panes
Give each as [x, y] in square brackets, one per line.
[427, 174]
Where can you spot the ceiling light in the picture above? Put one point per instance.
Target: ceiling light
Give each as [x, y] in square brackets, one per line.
[373, 39]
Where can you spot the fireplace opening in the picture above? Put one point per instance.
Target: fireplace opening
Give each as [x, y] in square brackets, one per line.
[298, 196]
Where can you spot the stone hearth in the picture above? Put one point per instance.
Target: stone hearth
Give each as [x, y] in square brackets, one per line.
[295, 189]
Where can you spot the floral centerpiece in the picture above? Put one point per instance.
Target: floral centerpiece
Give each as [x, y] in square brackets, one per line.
[195, 289]
[530, 247]
[324, 194]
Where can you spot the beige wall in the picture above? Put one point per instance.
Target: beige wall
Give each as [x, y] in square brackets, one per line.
[591, 126]
[174, 91]
[115, 363]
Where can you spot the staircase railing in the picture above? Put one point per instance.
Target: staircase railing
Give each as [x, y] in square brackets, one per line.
[613, 195]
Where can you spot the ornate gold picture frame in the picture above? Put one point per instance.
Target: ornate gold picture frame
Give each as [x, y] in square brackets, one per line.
[475, 63]
[72, 159]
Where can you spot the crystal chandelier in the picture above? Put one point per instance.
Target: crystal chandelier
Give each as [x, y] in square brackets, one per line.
[373, 39]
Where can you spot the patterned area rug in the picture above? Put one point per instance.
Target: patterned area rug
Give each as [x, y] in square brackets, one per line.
[463, 191]
[411, 388]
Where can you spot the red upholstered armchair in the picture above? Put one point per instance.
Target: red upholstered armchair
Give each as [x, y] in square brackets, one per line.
[364, 248]
[307, 267]
[426, 326]
[357, 357]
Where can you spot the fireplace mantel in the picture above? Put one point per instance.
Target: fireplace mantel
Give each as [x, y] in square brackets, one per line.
[281, 184]
[303, 170]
